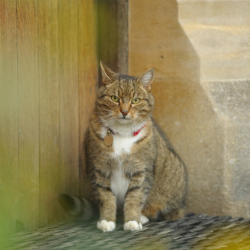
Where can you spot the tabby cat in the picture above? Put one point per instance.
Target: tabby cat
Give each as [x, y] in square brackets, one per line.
[130, 165]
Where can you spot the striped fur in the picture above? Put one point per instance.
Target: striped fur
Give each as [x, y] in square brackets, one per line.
[140, 174]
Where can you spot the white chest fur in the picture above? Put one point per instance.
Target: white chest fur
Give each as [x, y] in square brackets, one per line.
[119, 182]
[122, 144]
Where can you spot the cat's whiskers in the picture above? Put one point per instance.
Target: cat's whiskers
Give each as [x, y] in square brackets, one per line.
[111, 121]
[103, 118]
[137, 121]
[105, 115]
[106, 110]
[135, 124]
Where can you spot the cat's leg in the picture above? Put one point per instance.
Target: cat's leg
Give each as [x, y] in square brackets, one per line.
[134, 200]
[107, 203]
[107, 208]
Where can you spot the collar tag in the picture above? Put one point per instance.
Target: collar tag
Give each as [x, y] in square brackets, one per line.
[108, 139]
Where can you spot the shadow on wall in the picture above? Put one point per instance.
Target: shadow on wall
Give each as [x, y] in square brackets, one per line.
[182, 108]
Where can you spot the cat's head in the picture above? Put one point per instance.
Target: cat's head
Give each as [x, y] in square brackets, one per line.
[124, 100]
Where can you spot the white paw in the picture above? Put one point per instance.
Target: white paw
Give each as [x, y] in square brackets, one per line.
[106, 226]
[144, 219]
[132, 226]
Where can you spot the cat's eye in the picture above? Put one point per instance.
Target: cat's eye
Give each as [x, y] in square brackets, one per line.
[135, 101]
[115, 98]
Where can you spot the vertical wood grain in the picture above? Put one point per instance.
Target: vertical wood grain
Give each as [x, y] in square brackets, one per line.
[113, 34]
[88, 74]
[108, 33]
[48, 74]
[28, 84]
[122, 33]
[68, 78]
[8, 117]
[49, 169]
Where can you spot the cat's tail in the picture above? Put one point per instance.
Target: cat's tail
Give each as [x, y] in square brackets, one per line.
[76, 207]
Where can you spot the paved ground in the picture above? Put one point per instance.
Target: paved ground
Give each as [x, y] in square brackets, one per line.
[192, 232]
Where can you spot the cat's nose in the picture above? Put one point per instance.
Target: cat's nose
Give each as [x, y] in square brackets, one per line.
[124, 112]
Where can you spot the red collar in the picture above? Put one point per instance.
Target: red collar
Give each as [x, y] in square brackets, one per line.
[138, 131]
[134, 133]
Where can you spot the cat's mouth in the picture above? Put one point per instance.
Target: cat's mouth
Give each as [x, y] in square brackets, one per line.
[124, 120]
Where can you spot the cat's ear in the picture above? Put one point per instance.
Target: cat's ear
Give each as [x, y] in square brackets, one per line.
[107, 73]
[147, 78]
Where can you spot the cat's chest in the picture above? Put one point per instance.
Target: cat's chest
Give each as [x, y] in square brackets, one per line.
[123, 145]
[122, 149]
[119, 183]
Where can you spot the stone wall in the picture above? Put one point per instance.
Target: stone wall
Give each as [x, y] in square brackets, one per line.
[200, 51]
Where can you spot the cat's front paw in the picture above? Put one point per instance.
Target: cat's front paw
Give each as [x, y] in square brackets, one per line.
[106, 226]
[132, 226]
[144, 219]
